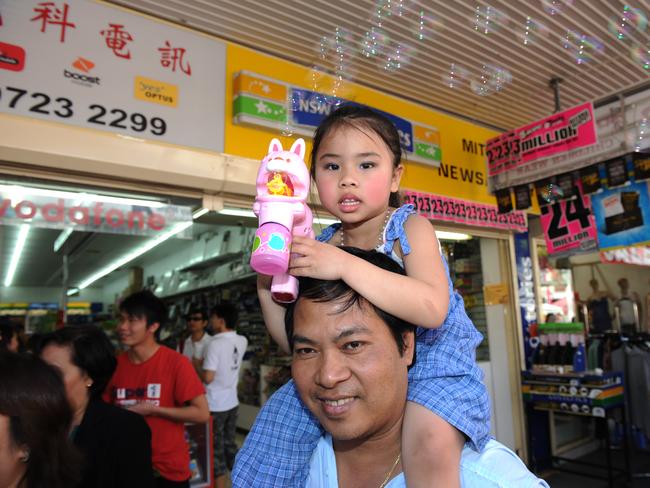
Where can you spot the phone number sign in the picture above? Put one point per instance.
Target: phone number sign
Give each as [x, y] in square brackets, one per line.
[92, 65]
[569, 225]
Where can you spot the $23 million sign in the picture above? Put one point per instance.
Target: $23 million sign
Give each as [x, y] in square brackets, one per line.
[568, 225]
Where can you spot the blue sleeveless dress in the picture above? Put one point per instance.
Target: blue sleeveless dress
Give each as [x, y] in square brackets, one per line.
[445, 379]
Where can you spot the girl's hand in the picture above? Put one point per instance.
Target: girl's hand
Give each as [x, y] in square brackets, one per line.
[315, 259]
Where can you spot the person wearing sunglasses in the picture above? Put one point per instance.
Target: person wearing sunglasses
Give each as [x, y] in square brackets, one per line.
[195, 345]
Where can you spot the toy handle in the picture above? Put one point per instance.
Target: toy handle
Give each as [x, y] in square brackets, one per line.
[271, 247]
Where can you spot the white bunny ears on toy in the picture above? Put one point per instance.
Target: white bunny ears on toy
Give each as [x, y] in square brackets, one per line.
[298, 147]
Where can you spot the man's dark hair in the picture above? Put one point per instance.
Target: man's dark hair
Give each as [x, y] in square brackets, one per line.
[196, 310]
[228, 312]
[146, 304]
[321, 291]
[90, 350]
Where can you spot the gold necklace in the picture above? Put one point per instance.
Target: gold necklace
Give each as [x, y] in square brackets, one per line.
[383, 483]
[380, 237]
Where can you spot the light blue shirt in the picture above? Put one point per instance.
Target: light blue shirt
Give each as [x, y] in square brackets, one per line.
[495, 466]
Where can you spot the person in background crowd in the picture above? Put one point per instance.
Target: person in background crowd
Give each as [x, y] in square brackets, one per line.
[223, 360]
[35, 419]
[158, 383]
[551, 318]
[9, 337]
[115, 443]
[195, 345]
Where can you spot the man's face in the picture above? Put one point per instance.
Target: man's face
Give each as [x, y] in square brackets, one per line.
[217, 323]
[348, 370]
[133, 331]
[195, 322]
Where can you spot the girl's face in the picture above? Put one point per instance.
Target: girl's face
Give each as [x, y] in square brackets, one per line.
[355, 174]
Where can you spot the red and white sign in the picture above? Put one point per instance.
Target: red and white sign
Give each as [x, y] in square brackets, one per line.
[639, 255]
[568, 225]
[558, 133]
[91, 215]
[439, 207]
[80, 63]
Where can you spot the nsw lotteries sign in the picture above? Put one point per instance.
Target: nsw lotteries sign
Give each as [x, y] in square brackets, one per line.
[91, 65]
[265, 102]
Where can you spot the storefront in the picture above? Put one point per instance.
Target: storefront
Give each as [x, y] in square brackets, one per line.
[217, 124]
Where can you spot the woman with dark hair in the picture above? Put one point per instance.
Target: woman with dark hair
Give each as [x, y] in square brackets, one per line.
[9, 337]
[35, 417]
[116, 443]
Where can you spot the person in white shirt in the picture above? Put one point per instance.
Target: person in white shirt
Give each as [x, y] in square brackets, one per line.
[220, 373]
[195, 345]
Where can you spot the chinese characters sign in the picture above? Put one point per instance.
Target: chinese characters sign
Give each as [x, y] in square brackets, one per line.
[87, 64]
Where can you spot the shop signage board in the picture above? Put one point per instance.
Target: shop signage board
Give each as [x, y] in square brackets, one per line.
[638, 255]
[568, 225]
[84, 214]
[620, 129]
[448, 209]
[260, 101]
[622, 216]
[95, 66]
[558, 133]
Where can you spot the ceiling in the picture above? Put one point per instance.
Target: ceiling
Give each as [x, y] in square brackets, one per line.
[493, 53]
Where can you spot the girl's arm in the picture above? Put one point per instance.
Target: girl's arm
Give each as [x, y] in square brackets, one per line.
[421, 298]
[273, 312]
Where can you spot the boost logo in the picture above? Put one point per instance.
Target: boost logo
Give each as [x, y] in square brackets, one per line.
[84, 78]
[12, 57]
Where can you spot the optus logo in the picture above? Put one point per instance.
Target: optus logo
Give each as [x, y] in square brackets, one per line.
[84, 78]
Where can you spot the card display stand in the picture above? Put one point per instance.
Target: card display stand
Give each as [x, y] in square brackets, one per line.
[586, 394]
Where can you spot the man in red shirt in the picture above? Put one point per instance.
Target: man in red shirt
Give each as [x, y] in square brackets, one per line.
[159, 384]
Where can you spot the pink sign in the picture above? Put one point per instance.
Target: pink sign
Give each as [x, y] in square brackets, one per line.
[568, 225]
[639, 255]
[561, 132]
[437, 207]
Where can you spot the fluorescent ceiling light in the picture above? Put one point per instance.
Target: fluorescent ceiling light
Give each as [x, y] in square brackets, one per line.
[140, 250]
[61, 238]
[242, 212]
[72, 291]
[200, 212]
[17, 192]
[18, 251]
[452, 236]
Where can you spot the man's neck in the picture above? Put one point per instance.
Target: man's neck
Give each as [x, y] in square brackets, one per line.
[198, 335]
[142, 352]
[368, 463]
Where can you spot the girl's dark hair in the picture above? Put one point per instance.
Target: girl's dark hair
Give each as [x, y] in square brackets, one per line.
[33, 397]
[90, 350]
[360, 117]
[322, 291]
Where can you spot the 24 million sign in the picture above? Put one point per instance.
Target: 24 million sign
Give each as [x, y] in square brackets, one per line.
[569, 226]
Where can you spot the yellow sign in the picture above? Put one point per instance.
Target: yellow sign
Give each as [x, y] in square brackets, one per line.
[253, 85]
[496, 294]
[155, 91]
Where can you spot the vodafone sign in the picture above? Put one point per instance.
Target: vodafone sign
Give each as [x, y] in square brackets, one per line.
[89, 215]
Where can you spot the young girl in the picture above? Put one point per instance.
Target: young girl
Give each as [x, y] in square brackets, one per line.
[356, 167]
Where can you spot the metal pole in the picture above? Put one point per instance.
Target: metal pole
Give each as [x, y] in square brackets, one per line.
[554, 83]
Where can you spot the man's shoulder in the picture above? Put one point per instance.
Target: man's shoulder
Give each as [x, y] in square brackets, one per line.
[496, 466]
